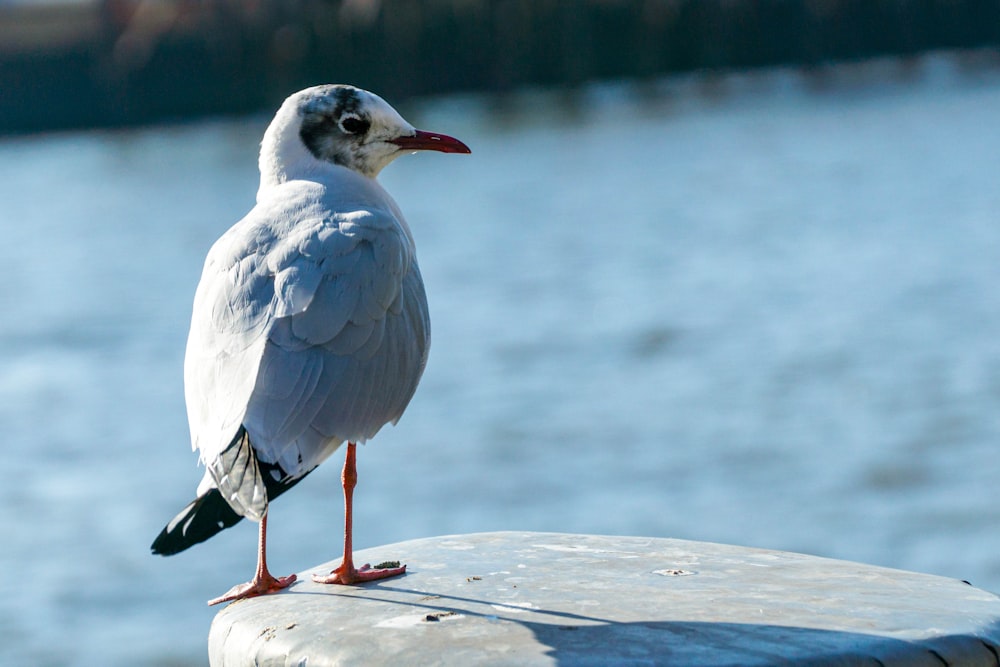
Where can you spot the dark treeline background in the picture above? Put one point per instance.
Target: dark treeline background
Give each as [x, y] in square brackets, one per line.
[119, 62]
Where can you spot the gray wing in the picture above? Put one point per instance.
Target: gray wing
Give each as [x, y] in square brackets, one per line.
[229, 324]
[314, 334]
[349, 362]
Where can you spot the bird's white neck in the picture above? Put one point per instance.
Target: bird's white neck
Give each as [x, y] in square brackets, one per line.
[283, 156]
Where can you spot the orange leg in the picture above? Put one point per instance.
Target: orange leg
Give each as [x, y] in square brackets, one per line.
[346, 573]
[262, 582]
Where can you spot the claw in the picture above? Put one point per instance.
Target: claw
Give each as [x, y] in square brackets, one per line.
[258, 586]
[348, 575]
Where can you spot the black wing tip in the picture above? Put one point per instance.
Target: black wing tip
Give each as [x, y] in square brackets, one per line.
[211, 513]
[160, 548]
[199, 520]
[168, 544]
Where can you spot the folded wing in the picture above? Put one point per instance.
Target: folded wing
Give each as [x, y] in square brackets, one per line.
[307, 332]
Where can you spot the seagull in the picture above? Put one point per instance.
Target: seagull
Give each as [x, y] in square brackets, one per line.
[310, 325]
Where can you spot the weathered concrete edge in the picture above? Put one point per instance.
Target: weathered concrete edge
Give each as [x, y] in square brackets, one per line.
[255, 632]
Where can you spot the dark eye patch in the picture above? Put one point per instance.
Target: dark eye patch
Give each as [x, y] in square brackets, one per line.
[354, 125]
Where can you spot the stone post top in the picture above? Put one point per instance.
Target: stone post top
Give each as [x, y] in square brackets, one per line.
[515, 598]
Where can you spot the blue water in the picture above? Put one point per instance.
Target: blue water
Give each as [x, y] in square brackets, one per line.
[756, 309]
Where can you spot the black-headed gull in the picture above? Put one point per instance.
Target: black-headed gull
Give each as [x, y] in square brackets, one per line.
[310, 324]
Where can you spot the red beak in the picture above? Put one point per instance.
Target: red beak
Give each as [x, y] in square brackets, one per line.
[430, 141]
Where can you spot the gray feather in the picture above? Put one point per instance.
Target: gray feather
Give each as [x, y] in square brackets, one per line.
[237, 476]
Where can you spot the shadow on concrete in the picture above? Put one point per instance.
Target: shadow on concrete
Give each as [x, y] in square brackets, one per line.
[578, 639]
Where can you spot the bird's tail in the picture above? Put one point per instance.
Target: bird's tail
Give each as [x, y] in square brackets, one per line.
[249, 483]
[201, 519]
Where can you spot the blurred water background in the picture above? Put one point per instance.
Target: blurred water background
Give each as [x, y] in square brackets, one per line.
[754, 308]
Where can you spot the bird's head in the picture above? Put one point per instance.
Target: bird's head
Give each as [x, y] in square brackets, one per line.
[341, 125]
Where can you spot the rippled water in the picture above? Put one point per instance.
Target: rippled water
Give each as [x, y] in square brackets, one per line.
[760, 310]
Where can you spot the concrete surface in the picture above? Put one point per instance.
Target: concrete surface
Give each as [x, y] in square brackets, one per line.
[558, 599]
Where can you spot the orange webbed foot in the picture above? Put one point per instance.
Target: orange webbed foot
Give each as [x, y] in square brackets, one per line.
[346, 574]
[258, 586]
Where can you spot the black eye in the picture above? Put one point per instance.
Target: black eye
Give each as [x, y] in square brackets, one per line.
[354, 125]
